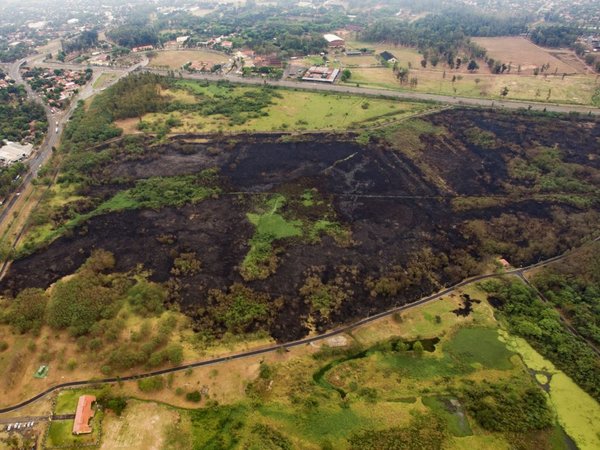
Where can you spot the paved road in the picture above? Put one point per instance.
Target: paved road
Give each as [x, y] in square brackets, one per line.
[49, 417]
[56, 124]
[261, 351]
[326, 87]
[404, 95]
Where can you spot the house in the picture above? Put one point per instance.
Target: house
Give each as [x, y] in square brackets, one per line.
[171, 45]
[84, 414]
[182, 39]
[388, 57]
[227, 44]
[100, 60]
[504, 263]
[142, 48]
[321, 74]
[334, 41]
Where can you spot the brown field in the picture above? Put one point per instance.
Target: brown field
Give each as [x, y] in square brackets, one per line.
[520, 51]
[138, 427]
[174, 59]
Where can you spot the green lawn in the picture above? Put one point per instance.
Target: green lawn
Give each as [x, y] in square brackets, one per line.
[66, 401]
[60, 434]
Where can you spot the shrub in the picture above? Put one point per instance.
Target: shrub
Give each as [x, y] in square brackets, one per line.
[147, 298]
[193, 396]
[506, 407]
[152, 384]
[26, 312]
[78, 303]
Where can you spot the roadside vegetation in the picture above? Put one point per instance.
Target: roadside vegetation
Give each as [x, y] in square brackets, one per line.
[369, 393]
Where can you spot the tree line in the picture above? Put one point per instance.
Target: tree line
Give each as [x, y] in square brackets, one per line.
[444, 35]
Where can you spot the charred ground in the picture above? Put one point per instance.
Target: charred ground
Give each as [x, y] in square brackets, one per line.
[366, 222]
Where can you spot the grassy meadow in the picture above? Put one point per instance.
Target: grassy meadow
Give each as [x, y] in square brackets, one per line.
[288, 110]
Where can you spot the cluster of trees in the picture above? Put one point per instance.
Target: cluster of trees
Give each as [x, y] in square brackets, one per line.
[555, 35]
[19, 117]
[273, 73]
[442, 36]
[9, 177]
[83, 41]
[238, 105]
[236, 310]
[87, 305]
[539, 323]
[14, 52]
[134, 35]
[507, 406]
[574, 288]
[132, 96]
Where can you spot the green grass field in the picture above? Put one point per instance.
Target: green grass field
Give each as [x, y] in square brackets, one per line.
[291, 111]
[66, 401]
[60, 434]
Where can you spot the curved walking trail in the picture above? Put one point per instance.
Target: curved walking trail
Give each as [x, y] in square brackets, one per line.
[518, 272]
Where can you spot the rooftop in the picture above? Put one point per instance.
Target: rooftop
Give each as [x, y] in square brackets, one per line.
[332, 37]
[84, 413]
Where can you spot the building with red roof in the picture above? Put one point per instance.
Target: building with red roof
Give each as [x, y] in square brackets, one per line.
[84, 414]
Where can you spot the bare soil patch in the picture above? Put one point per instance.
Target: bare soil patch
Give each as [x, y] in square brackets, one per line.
[174, 59]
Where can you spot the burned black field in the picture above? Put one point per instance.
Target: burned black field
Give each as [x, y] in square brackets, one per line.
[323, 229]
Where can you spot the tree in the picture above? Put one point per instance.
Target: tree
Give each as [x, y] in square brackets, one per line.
[418, 348]
[472, 66]
[346, 75]
[504, 91]
[402, 74]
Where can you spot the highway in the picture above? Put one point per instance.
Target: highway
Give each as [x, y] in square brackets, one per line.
[56, 124]
[519, 272]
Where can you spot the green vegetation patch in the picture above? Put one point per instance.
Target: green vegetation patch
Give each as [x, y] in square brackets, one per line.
[260, 261]
[452, 411]
[158, 192]
[424, 431]
[539, 323]
[66, 400]
[218, 427]
[480, 138]
[508, 406]
[479, 347]
[60, 433]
